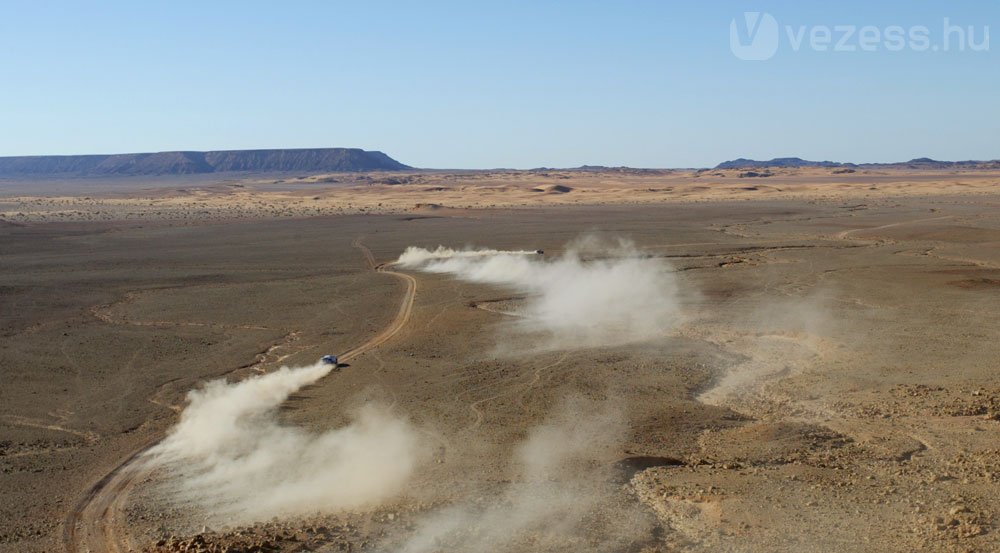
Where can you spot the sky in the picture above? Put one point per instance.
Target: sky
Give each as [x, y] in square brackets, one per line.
[486, 84]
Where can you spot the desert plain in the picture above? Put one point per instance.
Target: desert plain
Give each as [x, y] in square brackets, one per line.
[827, 379]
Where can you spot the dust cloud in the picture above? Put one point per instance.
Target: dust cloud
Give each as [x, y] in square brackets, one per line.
[597, 293]
[563, 495]
[233, 460]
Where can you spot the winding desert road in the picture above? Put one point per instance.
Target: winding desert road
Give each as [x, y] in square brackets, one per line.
[402, 316]
[96, 523]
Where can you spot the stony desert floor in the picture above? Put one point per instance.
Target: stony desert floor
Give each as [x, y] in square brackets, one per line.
[832, 382]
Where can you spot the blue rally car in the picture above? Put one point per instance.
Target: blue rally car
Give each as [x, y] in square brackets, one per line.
[330, 360]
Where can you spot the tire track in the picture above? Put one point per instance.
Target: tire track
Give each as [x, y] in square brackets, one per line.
[527, 387]
[97, 522]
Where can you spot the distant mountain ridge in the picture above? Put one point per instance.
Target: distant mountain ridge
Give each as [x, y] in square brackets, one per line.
[190, 162]
[918, 163]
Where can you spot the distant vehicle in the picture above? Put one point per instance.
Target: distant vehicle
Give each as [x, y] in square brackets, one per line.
[330, 360]
[540, 252]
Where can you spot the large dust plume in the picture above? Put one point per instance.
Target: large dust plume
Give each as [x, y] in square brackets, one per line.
[597, 293]
[563, 494]
[233, 460]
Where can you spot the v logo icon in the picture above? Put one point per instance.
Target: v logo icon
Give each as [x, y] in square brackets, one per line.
[757, 39]
[750, 31]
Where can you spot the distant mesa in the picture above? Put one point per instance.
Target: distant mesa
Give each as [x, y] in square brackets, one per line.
[190, 163]
[743, 163]
[841, 168]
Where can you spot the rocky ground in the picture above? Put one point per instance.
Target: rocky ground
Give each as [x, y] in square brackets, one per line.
[833, 387]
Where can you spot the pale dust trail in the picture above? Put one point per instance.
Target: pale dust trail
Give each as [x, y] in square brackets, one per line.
[849, 232]
[97, 522]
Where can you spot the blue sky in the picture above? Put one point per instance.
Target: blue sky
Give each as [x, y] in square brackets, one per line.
[492, 84]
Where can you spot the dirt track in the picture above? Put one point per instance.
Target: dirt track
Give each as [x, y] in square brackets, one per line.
[405, 308]
[96, 522]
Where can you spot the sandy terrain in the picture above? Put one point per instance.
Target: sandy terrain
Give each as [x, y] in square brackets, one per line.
[199, 198]
[832, 384]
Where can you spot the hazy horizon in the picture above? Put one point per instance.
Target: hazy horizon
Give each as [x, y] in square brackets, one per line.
[417, 167]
